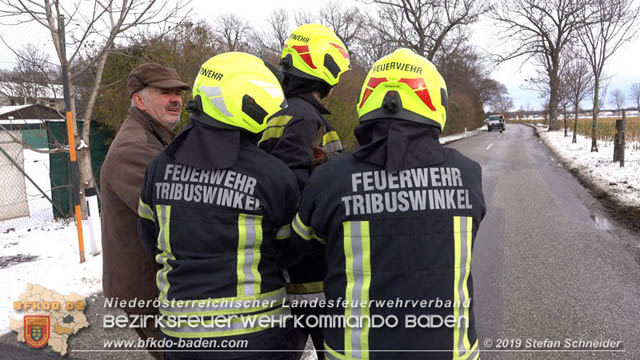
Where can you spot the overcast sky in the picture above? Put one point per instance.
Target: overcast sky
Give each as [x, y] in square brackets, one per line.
[622, 68]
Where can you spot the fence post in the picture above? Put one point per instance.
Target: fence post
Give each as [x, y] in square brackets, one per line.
[93, 215]
[618, 148]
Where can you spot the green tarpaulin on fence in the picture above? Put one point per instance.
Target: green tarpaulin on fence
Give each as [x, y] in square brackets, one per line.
[61, 185]
[36, 138]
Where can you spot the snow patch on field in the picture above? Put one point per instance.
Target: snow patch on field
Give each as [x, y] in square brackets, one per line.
[623, 184]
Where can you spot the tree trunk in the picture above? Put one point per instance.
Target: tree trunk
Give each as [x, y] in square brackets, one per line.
[596, 110]
[85, 169]
[553, 104]
[85, 172]
[564, 118]
[575, 129]
[77, 138]
[87, 179]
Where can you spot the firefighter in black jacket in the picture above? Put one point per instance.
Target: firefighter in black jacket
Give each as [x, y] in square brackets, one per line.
[396, 221]
[215, 211]
[313, 60]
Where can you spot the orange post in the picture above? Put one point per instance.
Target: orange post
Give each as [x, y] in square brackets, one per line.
[76, 187]
[72, 143]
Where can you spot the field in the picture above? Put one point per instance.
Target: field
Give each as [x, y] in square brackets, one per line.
[606, 127]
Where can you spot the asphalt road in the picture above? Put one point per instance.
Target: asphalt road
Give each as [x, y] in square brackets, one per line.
[548, 265]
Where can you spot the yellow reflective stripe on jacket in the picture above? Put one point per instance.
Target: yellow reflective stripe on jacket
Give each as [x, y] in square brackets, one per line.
[462, 233]
[225, 326]
[275, 127]
[305, 231]
[331, 354]
[145, 212]
[331, 142]
[284, 232]
[224, 306]
[304, 288]
[357, 250]
[249, 242]
[330, 136]
[164, 245]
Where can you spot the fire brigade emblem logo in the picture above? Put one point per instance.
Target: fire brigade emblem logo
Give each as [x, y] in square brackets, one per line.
[36, 330]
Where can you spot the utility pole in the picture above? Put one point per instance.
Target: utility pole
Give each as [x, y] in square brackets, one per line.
[71, 136]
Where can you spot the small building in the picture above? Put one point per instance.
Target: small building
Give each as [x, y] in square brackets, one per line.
[12, 94]
[36, 126]
[28, 113]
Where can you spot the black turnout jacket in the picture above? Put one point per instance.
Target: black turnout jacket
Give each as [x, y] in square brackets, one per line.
[215, 211]
[396, 223]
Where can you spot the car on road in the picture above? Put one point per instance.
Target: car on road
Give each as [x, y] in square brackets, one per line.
[495, 122]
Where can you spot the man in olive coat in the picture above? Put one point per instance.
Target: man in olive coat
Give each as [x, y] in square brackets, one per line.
[128, 270]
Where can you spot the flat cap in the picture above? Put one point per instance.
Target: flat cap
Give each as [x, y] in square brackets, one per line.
[152, 74]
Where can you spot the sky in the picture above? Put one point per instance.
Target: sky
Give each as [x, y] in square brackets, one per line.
[622, 68]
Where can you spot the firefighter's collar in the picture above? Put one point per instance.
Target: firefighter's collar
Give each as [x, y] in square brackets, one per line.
[398, 145]
[205, 147]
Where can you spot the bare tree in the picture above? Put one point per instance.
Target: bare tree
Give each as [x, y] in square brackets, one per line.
[30, 78]
[617, 99]
[610, 24]
[279, 25]
[540, 29]
[302, 16]
[540, 82]
[579, 83]
[564, 100]
[347, 23]
[635, 95]
[268, 43]
[233, 32]
[426, 26]
[500, 101]
[92, 29]
[488, 89]
[372, 43]
[568, 57]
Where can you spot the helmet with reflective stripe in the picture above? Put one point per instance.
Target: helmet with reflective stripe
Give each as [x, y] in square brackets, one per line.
[404, 85]
[315, 52]
[240, 90]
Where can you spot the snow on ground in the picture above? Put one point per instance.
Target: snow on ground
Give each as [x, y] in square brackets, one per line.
[56, 266]
[450, 138]
[623, 184]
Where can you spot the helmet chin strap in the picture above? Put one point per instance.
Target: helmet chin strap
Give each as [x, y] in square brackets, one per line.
[286, 63]
[391, 104]
[194, 107]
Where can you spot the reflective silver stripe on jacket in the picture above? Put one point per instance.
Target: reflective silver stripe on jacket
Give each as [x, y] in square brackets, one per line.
[224, 306]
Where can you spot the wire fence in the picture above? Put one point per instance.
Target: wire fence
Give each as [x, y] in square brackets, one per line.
[36, 185]
[26, 186]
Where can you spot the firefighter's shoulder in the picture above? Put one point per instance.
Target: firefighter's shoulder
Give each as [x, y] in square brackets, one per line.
[461, 161]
